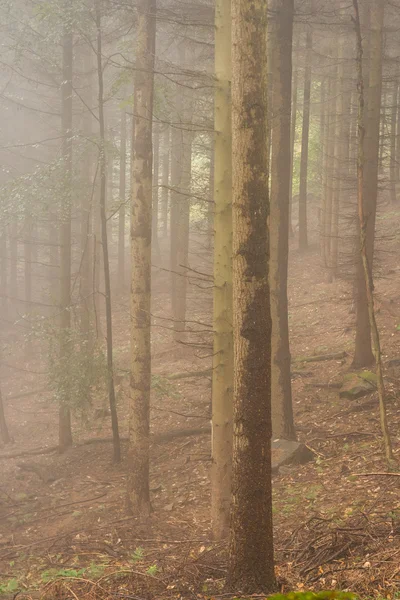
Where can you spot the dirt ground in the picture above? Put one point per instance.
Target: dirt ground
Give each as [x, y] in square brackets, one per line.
[64, 530]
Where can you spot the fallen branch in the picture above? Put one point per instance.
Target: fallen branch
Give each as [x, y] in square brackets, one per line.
[190, 374]
[158, 438]
[383, 474]
[322, 357]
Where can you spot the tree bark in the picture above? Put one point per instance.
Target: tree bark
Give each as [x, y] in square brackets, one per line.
[165, 181]
[4, 433]
[363, 355]
[377, 21]
[122, 199]
[65, 431]
[251, 565]
[141, 225]
[156, 183]
[222, 382]
[282, 409]
[303, 234]
[104, 240]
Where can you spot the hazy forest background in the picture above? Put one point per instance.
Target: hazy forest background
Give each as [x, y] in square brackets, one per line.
[200, 308]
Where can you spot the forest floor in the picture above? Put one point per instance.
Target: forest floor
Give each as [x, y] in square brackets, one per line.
[64, 530]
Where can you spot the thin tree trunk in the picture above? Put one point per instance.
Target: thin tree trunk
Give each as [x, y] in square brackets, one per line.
[377, 20]
[282, 409]
[65, 431]
[222, 383]
[4, 433]
[122, 200]
[176, 187]
[251, 563]
[4, 274]
[303, 234]
[106, 263]
[156, 183]
[393, 128]
[165, 181]
[363, 355]
[293, 136]
[141, 224]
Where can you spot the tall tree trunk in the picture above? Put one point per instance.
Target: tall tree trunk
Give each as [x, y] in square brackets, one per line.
[363, 355]
[104, 239]
[122, 200]
[156, 184]
[377, 21]
[303, 234]
[222, 383]
[282, 409]
[293, 135]
[251, 564]
[65, 431]
[393, 129]
[165, 181]
[176, 199]
[141, 223]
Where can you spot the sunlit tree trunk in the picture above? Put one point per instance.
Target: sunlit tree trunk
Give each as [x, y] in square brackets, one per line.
[65, 431]
[282, 409]
[141, 224]
[303, 234]
[222, 382]
[251, 564]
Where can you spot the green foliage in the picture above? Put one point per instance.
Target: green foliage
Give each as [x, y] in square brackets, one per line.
[77, 372]
[163, 388]
[152, 570]
[333, 595]
[9, 587]
[137, 555]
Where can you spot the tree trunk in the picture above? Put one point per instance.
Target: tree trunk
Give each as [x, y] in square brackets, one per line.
[363, 355]
[393, 128]
[4, 273]
[165, 181]
[251, 564]
[176, 186]
[377, 21]
[65, 431]
[122, 200]
[104, 239]
[293, 136]
[141, 224]
[222, 383]
[282, 409]
[156, 183]
[303, 234]
[4, 433]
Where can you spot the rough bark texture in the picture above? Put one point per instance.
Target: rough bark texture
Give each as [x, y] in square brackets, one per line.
[363, 355]
[303, 235]
[251, 566]
[282, 410]
[65, 431]
[141, 224]
[222, 383]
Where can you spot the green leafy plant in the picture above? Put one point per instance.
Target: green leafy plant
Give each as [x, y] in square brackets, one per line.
[9, 587]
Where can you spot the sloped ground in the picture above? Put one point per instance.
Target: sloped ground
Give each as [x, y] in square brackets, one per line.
[63, 523]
